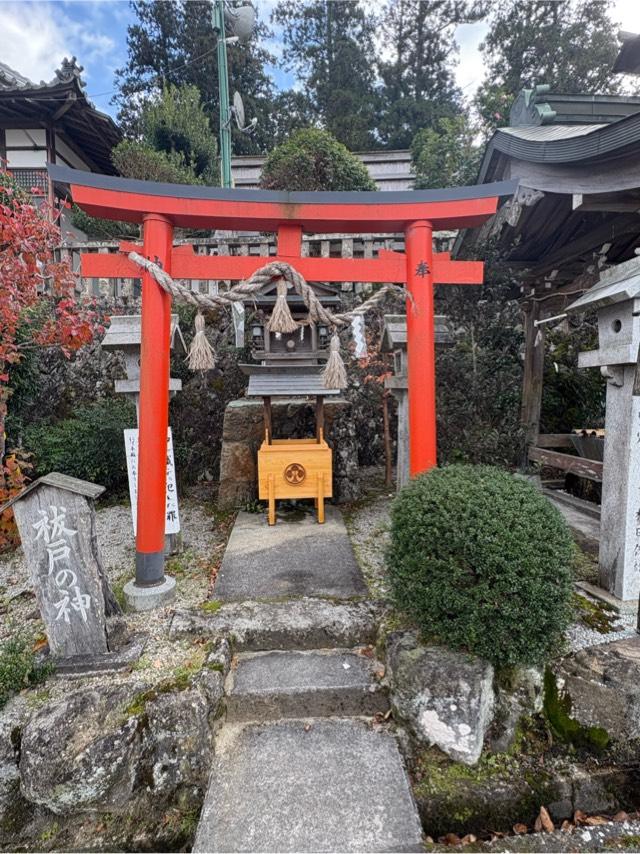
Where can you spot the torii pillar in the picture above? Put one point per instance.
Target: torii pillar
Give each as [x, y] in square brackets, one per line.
[161, 207]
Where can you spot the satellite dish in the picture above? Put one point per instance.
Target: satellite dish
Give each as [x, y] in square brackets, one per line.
[238, 113]
[241, 20]
[238, 110]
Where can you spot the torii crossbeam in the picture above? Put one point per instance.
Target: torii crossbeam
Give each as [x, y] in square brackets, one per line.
[162, 207]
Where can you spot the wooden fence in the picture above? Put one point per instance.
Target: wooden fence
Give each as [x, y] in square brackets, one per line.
[314, 246]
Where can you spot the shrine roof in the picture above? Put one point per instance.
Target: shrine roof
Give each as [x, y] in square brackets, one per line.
[286, 381]
[61, 102]
[319, 212]
[60, 481]
[577, 162]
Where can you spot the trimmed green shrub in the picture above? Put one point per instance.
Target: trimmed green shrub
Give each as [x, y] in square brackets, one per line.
[481, 561]
[312, 159]
[89, 446]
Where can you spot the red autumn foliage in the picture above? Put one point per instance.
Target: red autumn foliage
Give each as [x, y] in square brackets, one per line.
[38, 305]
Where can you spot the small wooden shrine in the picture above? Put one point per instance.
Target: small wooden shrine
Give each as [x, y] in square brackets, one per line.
[289, 364]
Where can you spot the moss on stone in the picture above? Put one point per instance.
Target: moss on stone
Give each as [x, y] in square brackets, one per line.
[631, 843]
[211, 606]
[594, 615]
[557, 710]
[494, 794]
[180, 680]
[439, 775]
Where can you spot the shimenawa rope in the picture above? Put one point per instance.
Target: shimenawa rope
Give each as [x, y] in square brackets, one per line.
[201, 355]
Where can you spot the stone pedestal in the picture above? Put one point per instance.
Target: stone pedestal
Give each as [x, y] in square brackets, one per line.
[619, 541]
[616, 299]
[398, 388]
[243, 432]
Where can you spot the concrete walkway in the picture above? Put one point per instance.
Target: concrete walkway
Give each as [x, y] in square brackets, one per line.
[299, 766]
[295, 557]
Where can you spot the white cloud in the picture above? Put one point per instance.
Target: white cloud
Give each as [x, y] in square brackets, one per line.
[470, 68]
[38, 35]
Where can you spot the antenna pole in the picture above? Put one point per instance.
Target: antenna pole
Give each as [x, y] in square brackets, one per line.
[223, 90]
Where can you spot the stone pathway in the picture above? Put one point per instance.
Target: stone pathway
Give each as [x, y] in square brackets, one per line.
[298, 765]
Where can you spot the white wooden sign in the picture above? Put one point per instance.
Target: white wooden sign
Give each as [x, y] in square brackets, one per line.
[172, 519]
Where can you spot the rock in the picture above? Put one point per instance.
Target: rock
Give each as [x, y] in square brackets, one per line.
[445, 697]
[220, 656]
[211, 683]
[11, 723]
[296, 624]
[596, 696]
[178, 741]
[522, 697]
[81, 753]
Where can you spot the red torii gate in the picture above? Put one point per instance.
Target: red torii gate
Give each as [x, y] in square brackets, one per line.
[161, 207]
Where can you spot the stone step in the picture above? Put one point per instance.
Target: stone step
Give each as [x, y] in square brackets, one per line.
[307, 786]
[295, 684]
[295, 624]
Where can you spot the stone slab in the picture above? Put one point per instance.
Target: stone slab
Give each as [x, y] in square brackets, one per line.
[622, 606]
[308, 786]
[108, 662]
[298, 624]
[295, 557]
[317, 683]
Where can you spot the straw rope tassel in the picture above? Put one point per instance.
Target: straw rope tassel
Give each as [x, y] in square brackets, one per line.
[281, 319]
[335, 373]
[201, 356]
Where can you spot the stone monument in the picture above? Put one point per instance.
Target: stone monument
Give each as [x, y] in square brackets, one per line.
[56, 521]
[616, 299]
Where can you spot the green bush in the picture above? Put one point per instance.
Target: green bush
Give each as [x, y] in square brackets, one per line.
[89, 446]
[18, 668]
[312, 159]
[481, 561]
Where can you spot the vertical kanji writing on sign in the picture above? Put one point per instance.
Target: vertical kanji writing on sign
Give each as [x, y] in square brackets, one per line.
[57, 526]
[51, 527]
[172, 517]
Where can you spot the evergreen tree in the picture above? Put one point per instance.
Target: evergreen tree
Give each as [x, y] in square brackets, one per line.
[330, 47]
[292, 111]
[445, 155]
[174, 42]
[418, 85]
[569, 44]
[176, 143]
[312, 159]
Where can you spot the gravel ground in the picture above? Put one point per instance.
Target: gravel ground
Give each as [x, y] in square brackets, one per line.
[204, 539]
[580, 636]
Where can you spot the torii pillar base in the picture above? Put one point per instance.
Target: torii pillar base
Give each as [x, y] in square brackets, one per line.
[149, 598]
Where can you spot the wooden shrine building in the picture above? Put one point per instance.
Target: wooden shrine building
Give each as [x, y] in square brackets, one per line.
[577, 161]
[52, 122]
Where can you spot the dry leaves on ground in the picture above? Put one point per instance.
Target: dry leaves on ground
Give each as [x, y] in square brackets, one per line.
[544, 822]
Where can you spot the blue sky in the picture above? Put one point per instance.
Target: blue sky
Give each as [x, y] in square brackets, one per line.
[37, 34]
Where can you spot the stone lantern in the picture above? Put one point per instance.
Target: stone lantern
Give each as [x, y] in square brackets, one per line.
[616, 299]
[394, 340]
[124, 334]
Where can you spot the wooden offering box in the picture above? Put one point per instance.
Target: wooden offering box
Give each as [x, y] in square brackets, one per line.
[294, 468]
